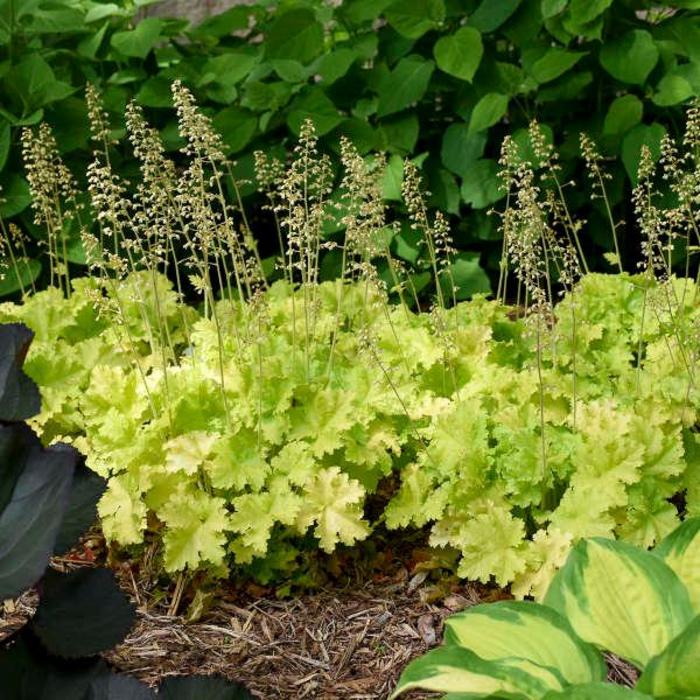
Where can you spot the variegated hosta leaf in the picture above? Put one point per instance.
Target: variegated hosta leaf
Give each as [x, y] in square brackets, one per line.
[676, 670]
[453, 669]
[620, 598]
[681, 551]
[597, 691]
[529, 631]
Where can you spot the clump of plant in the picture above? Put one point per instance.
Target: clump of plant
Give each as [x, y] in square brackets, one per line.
[254, 426]
[609, 596]
[47, 499]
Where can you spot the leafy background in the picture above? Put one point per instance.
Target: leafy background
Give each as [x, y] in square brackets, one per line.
[440, 81]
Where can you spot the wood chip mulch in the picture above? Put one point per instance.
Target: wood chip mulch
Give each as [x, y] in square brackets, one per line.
[350, 643]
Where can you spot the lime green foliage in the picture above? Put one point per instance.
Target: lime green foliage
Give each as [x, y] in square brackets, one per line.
[300, 433]
[608, 596]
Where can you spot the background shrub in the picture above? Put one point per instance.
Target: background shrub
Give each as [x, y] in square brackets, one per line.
[440, 81]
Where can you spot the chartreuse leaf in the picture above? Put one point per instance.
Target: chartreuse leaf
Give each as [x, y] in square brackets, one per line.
[453, 669]
[681, 551]
[334, 502]
[620, 598]
[630, 57]
[529, 631]
[459, 54]
[676, 670]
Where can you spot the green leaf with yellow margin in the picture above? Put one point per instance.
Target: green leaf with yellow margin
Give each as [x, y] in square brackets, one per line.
[529, 631]
[676, 670]
[452, 669]
[620, 598]
[681, 551]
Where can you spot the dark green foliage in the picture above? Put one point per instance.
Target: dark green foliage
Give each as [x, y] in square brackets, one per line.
[82, 613]
[19, 396]
[32, 516]
[440, 80]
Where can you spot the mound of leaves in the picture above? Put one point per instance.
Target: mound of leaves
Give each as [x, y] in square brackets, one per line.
[247, 449]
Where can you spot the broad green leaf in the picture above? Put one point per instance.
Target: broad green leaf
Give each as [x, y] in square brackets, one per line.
[34, 81]
[290, 70]
[226, 22]
[489, 110]
[551, 8]
[631, 57]
[315, 105]
[460, 53]
[139, 41]
[529, 631]
[522, 140]
[14, 196]
[481, 185]
[641, 135]
[453, 669]
[675, 672]
[294, 35]
[237, 127]
[393, 179]
[491, 15]
[681, 551]
[671, 90]
[229, 68]
[461, 148]
[90, 45]
[399, 134]
[413, 18]
[335, 64]
[5, 134]
[405, 85]
[554, 63]
[569, 87]
[468, 276]
[624, 113]
[155, 92]
[109, 9]
[620, 598]
[19, 277]
[585, 11]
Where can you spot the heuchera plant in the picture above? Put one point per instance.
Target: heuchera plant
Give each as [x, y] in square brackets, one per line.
[268, 414]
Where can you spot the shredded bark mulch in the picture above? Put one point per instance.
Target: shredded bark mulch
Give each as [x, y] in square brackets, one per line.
[345, 641]
[350, 643]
